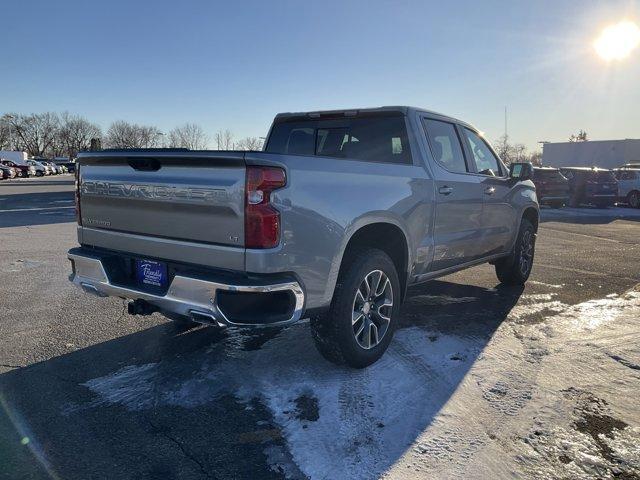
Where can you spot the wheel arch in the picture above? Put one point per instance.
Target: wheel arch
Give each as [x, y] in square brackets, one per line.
[533, 215]
[384, 235]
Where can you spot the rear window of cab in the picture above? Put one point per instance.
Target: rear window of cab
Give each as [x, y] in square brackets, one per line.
[372, 138]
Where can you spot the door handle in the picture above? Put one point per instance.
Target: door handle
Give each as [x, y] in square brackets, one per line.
[490, 191]
[445, 190]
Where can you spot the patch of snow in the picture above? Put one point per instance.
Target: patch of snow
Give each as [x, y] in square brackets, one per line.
[437, 405]
[548, 285]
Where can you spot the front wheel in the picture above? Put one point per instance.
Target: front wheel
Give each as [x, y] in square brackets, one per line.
[634, 199]
[359, 325]
[516, 268]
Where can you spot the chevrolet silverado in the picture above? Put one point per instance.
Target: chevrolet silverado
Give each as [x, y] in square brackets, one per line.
[333, 221]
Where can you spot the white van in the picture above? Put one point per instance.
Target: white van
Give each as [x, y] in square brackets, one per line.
[17, 157]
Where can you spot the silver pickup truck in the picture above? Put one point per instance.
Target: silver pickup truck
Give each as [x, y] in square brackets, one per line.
[333, 221]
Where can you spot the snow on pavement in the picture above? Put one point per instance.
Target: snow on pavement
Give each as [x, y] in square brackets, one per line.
[532, 399]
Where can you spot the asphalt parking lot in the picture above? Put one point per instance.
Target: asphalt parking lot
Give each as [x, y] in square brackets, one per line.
[481, 381]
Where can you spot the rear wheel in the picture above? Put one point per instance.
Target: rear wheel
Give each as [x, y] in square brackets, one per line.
[516, 268]
[359, 325]
[634, 199]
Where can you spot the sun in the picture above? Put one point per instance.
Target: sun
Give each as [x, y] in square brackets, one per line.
[616, 42]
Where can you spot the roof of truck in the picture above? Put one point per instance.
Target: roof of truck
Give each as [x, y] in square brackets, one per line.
[356, 111]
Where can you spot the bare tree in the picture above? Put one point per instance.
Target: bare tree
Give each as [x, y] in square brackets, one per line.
[76, 133]
[517, 152]
[504, 149]
[249, 143]
[581, 136]
[36, 133]
[224, 140]
[5, 133]
[122, 134]
[189, 136]
[536, 158]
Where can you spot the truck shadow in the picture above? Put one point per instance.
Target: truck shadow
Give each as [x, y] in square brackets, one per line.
[204, 403]
[31, 182]
[37, 208]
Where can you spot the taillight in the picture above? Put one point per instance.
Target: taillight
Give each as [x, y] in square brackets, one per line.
[261, 219]
[77, 183]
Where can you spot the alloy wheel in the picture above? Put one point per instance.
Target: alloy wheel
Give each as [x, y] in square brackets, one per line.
[372, 307]
[526, 252]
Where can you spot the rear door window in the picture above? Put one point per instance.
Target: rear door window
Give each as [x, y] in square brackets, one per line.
[445, 145]
[372, 138]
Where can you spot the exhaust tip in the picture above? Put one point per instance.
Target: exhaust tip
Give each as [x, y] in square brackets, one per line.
[205, 318]
[92, 289]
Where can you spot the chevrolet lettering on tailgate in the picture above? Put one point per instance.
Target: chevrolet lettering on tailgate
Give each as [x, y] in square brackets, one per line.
[152, 192]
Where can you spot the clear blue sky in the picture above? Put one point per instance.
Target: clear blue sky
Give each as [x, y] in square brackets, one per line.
[235, 64]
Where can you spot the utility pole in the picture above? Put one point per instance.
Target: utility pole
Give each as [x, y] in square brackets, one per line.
[505, 122]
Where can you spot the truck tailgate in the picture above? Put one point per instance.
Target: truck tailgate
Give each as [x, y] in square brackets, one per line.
[195, 197]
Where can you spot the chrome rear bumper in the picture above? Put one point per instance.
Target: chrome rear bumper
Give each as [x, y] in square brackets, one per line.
[186, 296]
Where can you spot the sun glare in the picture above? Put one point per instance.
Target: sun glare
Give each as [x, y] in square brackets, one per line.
[616, 42]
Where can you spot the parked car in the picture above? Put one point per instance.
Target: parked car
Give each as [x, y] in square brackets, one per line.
[51, 169]
[552, 188]
[65, 163]
[333, 221]
[628, 185]
[40, 168]
[596, 186]
[8, 172]
[55, 169]
[22, 170]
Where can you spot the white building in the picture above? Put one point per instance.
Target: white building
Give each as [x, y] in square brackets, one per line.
[598, 153]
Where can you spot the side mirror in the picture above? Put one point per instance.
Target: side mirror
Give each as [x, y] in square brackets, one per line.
[521, 171]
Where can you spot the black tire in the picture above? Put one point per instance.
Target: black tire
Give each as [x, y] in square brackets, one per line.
[634, 199]
[335, 333]
[511, 270]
